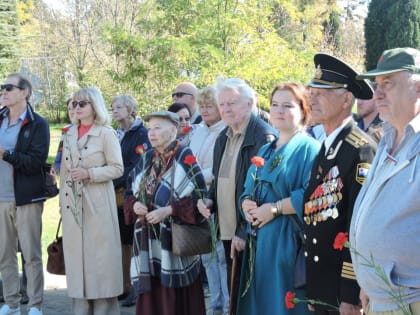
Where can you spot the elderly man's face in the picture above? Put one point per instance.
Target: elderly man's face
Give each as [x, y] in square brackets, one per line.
[235, 110]
[395, 97]
[326, 104]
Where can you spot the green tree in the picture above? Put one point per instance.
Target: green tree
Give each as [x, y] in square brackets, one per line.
[9, 37]
[390, 24]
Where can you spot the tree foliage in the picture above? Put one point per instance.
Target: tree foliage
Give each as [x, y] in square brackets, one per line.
[146, 47]
[390, 24]
[9, 37]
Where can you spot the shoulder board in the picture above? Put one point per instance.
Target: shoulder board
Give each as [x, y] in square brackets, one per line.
[356, 138]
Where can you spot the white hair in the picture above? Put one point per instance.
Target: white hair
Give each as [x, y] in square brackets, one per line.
[237, 85]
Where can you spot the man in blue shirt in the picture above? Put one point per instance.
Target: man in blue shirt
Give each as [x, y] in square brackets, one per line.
[24, 144]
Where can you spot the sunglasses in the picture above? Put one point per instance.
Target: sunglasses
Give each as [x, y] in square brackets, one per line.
[9, 87]
[180, 94]
[184, 119]
[80, 103]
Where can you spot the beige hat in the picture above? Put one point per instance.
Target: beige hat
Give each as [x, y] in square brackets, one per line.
[172, 117]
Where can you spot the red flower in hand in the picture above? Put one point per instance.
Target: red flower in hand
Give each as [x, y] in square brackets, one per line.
[65, 129]
[289, 300]
[190, 159]
[341, 240]
[186, 129]
[257, 161]
[140, 149]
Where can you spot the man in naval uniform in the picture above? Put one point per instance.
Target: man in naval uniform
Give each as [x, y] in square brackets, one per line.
[337, 176]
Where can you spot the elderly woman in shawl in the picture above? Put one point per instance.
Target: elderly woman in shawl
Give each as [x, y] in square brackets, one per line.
[165, 185]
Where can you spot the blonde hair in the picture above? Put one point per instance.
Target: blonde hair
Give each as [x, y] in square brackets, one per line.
[94, 97]
[207, 95]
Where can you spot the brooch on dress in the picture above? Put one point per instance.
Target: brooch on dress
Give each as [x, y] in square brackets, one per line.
[275, 162]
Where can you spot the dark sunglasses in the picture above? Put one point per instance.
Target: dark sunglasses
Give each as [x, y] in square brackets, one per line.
[180, 94]
[184, 119]
[80, 103]
[9, 87]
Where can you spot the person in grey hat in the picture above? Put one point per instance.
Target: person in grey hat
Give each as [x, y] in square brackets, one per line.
[386, 218]
[164, 186]
[337, 175]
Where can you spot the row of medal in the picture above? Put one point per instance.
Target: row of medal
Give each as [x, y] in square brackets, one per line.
[323, 202]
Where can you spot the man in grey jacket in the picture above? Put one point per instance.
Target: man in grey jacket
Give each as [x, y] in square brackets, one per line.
[385, 226]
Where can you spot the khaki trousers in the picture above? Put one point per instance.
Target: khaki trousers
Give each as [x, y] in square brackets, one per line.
[23, 223]
[414, 308]
[106, 306]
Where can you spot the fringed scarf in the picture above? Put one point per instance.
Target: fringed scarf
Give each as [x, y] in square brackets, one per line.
[152, 256]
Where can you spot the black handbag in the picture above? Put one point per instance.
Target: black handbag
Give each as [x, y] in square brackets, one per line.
[55, 262]
[300, 263]
[50, 181]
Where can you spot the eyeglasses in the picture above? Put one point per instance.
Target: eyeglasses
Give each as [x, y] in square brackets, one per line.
[180, 94]
[9, 87]
[80, 103]
[184, 119]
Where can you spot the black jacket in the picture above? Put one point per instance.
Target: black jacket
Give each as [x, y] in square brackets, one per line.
[136, 135]
[29, 157]
[336, 179]
[257, 134]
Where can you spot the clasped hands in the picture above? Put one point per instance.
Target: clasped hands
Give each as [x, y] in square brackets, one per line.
[153, 217]
[257, 216]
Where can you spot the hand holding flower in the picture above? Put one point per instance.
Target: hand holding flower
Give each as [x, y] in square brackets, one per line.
[247, 206]
[159, 214]
[79, 173]
[139, 208]
[204, 206]
[261, 215]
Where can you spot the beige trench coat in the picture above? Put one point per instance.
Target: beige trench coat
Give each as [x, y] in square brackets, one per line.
[91, 238]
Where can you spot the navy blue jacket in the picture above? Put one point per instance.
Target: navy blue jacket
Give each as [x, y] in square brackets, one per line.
[29, 157]
[137, 135]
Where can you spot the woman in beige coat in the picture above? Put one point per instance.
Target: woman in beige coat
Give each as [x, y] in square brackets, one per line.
[92, 248]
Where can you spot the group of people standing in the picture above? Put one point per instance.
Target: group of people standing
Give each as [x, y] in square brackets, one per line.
[120, 191]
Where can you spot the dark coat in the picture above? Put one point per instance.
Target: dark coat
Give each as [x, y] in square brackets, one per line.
[334, 184]
[29, 157]
[137, 135]
[257, 134]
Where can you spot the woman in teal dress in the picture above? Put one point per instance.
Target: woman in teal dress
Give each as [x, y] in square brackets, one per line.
[268, 206]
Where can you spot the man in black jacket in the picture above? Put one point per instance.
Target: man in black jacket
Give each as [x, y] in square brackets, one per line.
[337, 175]
[235, 146]
[24, 144]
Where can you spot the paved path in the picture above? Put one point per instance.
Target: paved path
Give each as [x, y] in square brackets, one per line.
[57, 302]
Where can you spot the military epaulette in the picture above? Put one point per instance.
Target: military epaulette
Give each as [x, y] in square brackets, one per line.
[356, 138]
[347, 271]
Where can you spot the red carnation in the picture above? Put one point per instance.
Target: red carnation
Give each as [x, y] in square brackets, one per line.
[257, 161]
[140, 149]
[341, 240]
[190, 159]
[65, 129]
[289, 299]
[186, 130]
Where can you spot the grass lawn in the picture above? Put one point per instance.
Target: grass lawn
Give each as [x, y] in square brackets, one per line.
[51, 213]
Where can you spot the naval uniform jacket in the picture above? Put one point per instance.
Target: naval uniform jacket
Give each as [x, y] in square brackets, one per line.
[336, 179]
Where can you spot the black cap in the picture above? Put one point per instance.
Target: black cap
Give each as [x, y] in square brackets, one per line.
[333, 73]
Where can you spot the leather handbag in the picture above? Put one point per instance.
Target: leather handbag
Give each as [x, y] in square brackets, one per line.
[50, 182]
[55, 262]
[189, 239]
[119, 197]
[300, 264]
